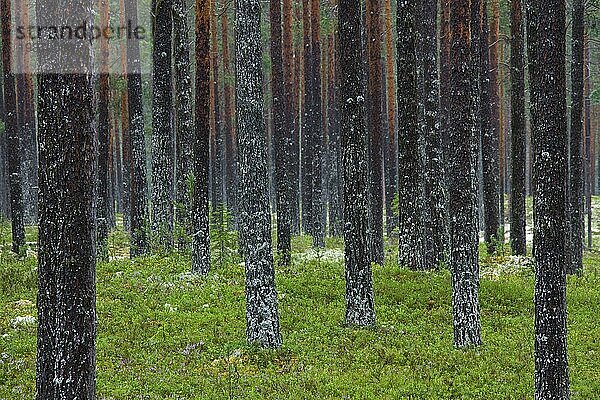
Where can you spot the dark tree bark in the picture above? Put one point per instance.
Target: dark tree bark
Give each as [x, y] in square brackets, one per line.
[282, 133]
[546, 41]
[13, 135]
[184, 118]
[587, 129]
[360, 310]
[316, 146]
[228, 119]
[102, 211]
[201, 142]
[306, 154]
[391, 169]
[67, 231]
[375, 125]
[489, 138]
[26, 121]
[162, 127]
[262, 316]
[138, 186]
[464, 262]
[126, 161]
[495, 112]
[217, 122]
[445, 44]
[436, 225]
[409, 178]
[518, 136]
[336, 194]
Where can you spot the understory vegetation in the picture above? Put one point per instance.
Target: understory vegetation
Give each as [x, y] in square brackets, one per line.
[166, 334]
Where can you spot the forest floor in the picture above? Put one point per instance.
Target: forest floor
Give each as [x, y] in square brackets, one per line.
[166, 334]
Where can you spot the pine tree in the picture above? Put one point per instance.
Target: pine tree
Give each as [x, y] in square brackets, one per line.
[489, 136]
[391, 170]
[67, 231]
[410, 188]
[576, 183]
[434, 181]
[262, 315]
[375, 125]
[201, 156]
[306, 154]
[546, 44]
[13, 134]
[184, 118]
[464, 263]
[281, 120]
[138, 186]
[360, 310]
[518, 139]
[163, 149]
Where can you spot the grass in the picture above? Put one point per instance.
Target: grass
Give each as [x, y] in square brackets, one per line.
[164, 334]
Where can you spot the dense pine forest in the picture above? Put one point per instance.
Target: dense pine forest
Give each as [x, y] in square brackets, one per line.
[315, 199]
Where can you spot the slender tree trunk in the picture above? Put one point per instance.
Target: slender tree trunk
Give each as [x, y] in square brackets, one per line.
[445, 45]
[13, 135]
[26, 121]
[336, 208]
[576, 183]
[184, 118]
[217, 143]
[409, 179]
[588, 137]
[546, 33]
[360, 310]
[375, 125]
[518, 136]
[102, 212]
[201, 165]
[489, 134]
[434, 179]
[464, 262]
[162, 127]
[495, 106]
[306, 155]
[316, 147]
[66, 354]
[281, 125]
[390, 83]
[262, 315]
[139, 197]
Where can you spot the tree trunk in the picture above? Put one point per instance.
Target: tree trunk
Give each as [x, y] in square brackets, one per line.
[162, 128]
[66, 354]
[336, 209]
[409, 179]
[201, 165]
[262, 315]
[228, 119]
[26, 121]
[464, 262]
[316, 146]
[13, 135]
[184, 118]
[281, 126]
[390, 83]
[576, 184]
[375, 125]
[588, 137]
[360, 309]
[218, 145]
[436, 231]
[489, 135]
[138, 185]
[495, 104]
[102, 211]
[306, 155]
[518, 136]
[546, 33]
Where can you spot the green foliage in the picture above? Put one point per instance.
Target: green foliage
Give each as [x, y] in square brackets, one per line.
[223, 239]
[164, 333]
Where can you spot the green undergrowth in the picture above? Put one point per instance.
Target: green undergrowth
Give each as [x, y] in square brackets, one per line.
[166, 334]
